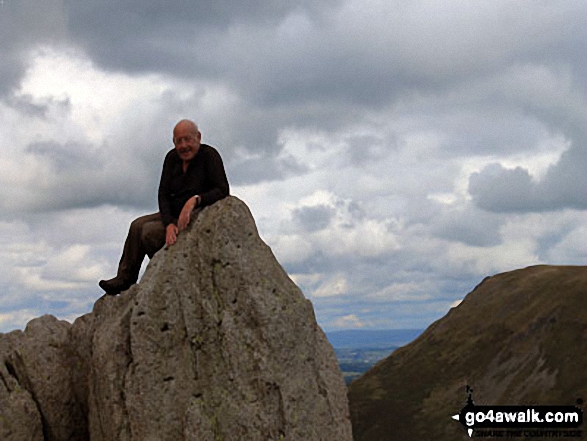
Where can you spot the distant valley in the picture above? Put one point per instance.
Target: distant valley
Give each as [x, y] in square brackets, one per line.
[359, 350]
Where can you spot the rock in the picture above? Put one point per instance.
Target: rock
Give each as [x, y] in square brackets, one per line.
[37, 365]
[215, 343]
[20, 419]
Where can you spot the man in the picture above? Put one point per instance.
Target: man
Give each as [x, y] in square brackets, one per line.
[193, 176]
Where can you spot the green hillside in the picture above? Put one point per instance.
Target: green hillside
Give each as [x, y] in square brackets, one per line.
[518, 338]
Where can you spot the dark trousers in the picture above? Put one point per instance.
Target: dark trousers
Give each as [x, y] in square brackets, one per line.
[146, 236]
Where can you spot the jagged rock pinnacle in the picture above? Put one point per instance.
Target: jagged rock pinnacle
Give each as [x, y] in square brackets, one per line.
[214, 343]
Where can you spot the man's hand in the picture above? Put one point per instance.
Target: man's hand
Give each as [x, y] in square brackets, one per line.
[184, 216]
[171, 234]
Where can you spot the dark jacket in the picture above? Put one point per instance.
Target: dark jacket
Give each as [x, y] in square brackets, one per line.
[205, 177]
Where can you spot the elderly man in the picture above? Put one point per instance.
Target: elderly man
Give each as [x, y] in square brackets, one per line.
[193, 176]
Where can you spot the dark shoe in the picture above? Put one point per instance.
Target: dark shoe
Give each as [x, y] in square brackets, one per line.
[114, 286]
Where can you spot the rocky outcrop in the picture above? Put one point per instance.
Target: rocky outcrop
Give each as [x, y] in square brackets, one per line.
[37, 400]
[215, 343]
[519, 338]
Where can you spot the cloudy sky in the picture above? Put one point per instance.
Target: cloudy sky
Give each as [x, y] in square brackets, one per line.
[393, 153]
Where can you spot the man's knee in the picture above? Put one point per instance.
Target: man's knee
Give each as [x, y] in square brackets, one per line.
[136, 226]
[153, 237]
[138, 223]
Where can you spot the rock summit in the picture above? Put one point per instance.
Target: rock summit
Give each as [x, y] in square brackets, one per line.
[215, 343]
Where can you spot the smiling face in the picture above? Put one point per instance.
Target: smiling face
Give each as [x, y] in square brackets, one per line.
[186, 138]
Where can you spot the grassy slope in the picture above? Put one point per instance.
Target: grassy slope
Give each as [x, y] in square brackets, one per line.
[518, 338]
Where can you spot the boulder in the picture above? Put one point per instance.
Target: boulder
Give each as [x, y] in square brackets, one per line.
[35, 371]
[215, 343]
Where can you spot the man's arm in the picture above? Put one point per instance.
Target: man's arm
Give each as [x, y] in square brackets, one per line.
[171, 234]
[184, 216]
[219, 187]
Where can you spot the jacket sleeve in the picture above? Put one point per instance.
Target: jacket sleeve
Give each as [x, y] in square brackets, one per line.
[164, 194]
[219, 187]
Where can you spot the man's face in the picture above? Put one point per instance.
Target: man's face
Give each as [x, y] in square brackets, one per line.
[186, 141]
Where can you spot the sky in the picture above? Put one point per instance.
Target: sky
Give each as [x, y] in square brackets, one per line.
[393, 153]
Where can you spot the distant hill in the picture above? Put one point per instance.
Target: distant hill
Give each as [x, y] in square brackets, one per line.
[363, 338]
[518, 338]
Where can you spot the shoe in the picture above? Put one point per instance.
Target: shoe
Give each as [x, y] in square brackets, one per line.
[114, 286]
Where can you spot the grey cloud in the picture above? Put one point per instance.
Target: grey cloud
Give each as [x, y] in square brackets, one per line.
[547, 243]
[498, 189]
[82, 190]
[500, 128]
[366, 277]
[65, 157]
[168, 36]
[469, 226]
[282, 53]
[314, 218]
[262, 169]
[367, 148]
[366, 61]
[218, 14]
[11, 70]
[24, 26]
[564, 184]
[25, 105]
[356, 211]
[502, 190]
[80, 176]
[278, 52]
[316, 262]
[329, 65]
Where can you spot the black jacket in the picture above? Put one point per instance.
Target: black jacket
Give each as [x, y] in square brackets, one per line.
[205, 177]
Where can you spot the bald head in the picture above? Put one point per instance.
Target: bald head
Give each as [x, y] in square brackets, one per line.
[186, 138]
[186, 125]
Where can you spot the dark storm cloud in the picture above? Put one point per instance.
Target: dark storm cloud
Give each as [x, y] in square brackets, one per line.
[283, 52]
[172, 36]
[337, 52]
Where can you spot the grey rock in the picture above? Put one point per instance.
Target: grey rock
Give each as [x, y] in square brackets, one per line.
[20, 419]
[215, 343]
[37, 366]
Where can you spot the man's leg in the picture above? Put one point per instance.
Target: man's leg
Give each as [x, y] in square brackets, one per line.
[132, 256]
[153, 236]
